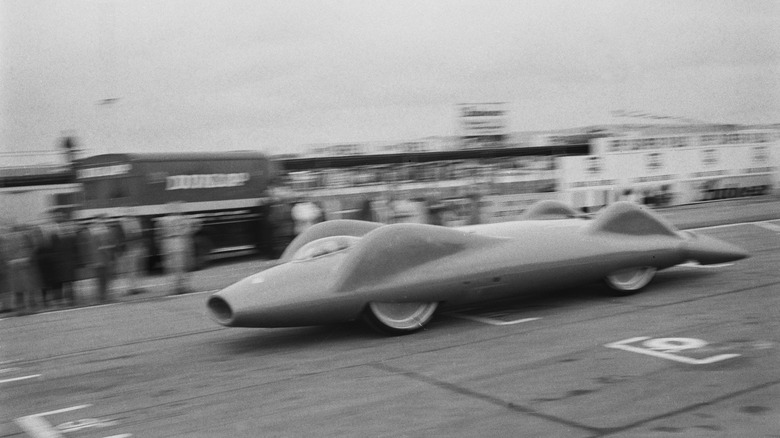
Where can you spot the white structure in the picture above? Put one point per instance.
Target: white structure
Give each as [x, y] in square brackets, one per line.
[675, 169]
[31, 204]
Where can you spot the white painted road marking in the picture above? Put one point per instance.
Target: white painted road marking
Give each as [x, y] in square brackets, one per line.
[491, 321]
[665, 348]
[769, 226]
[16, 379]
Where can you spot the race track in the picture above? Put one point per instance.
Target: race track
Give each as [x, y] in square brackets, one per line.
[694, 354]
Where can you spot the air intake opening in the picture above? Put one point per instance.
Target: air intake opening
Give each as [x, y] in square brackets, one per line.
[220, 310]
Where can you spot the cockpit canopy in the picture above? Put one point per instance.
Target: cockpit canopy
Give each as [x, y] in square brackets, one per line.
[323, 247]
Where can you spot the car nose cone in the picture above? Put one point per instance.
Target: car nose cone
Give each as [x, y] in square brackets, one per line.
[287, 295]
[259, 300]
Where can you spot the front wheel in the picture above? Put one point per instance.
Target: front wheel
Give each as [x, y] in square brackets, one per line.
[630, 280]
[398, 318]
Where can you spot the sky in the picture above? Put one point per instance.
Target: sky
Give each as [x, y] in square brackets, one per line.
[197, 75]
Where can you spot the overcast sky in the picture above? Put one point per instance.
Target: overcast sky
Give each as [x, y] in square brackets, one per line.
[276, 75]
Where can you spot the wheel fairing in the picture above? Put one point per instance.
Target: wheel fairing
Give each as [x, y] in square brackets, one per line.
[399, 318]
[631, 279]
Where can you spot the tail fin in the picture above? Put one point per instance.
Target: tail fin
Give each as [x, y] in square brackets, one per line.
[631, 219]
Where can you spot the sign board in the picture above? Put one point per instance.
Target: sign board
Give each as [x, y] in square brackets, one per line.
[483, 122]
[148, 179]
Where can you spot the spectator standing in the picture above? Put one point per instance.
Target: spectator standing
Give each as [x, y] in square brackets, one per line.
[20, 251]
[264, 231]
[322, 215]
[131, 260]
[6, 297]
[305, 214]
[366, 212]
[630, 196]
[282, 225]
[47, 256]
[475, 209]
[57, 259]
[89, 256]
[435, 210]
[66, 256]
[104, 243]
[385, 210]
[410, 211]
[176, 232]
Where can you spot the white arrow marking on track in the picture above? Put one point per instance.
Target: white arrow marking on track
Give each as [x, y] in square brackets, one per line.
[622, 345]
[37, 426]
[769, 226]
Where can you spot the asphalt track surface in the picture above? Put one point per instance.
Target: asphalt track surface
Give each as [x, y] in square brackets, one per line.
[694, 354]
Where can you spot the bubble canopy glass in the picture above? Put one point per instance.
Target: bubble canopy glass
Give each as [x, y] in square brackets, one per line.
[322, 247]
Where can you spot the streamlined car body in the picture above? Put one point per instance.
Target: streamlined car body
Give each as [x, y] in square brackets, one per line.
[396, 276]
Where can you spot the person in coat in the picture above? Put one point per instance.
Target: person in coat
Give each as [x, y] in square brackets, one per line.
[176, 233]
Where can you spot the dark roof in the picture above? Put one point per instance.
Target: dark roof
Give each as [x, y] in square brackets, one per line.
[18, 171]
[306, 163]
[36, 176]
[174, 156]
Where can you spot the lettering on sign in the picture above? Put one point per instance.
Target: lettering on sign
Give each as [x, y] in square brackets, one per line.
[644, 179]
[709, 157]
[593, 165]
[712, 191]
[654, 161]
[759, 170]
[709, 173]
[472, 112]
[760, 154]
[691, 351]
[601, 182]
[205, 181]
[102, 172]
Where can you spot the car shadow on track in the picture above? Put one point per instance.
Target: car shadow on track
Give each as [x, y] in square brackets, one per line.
[250, 341]
[589, 294]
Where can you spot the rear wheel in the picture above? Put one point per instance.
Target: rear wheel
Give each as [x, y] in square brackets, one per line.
[630, 280]
[398, 318]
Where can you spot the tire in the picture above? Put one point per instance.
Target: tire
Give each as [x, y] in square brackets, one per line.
[629, 281]
[398, 318]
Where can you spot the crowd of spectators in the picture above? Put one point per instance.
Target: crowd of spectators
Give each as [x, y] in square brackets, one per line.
[292, 218]
[437, 171]
[41, 265]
